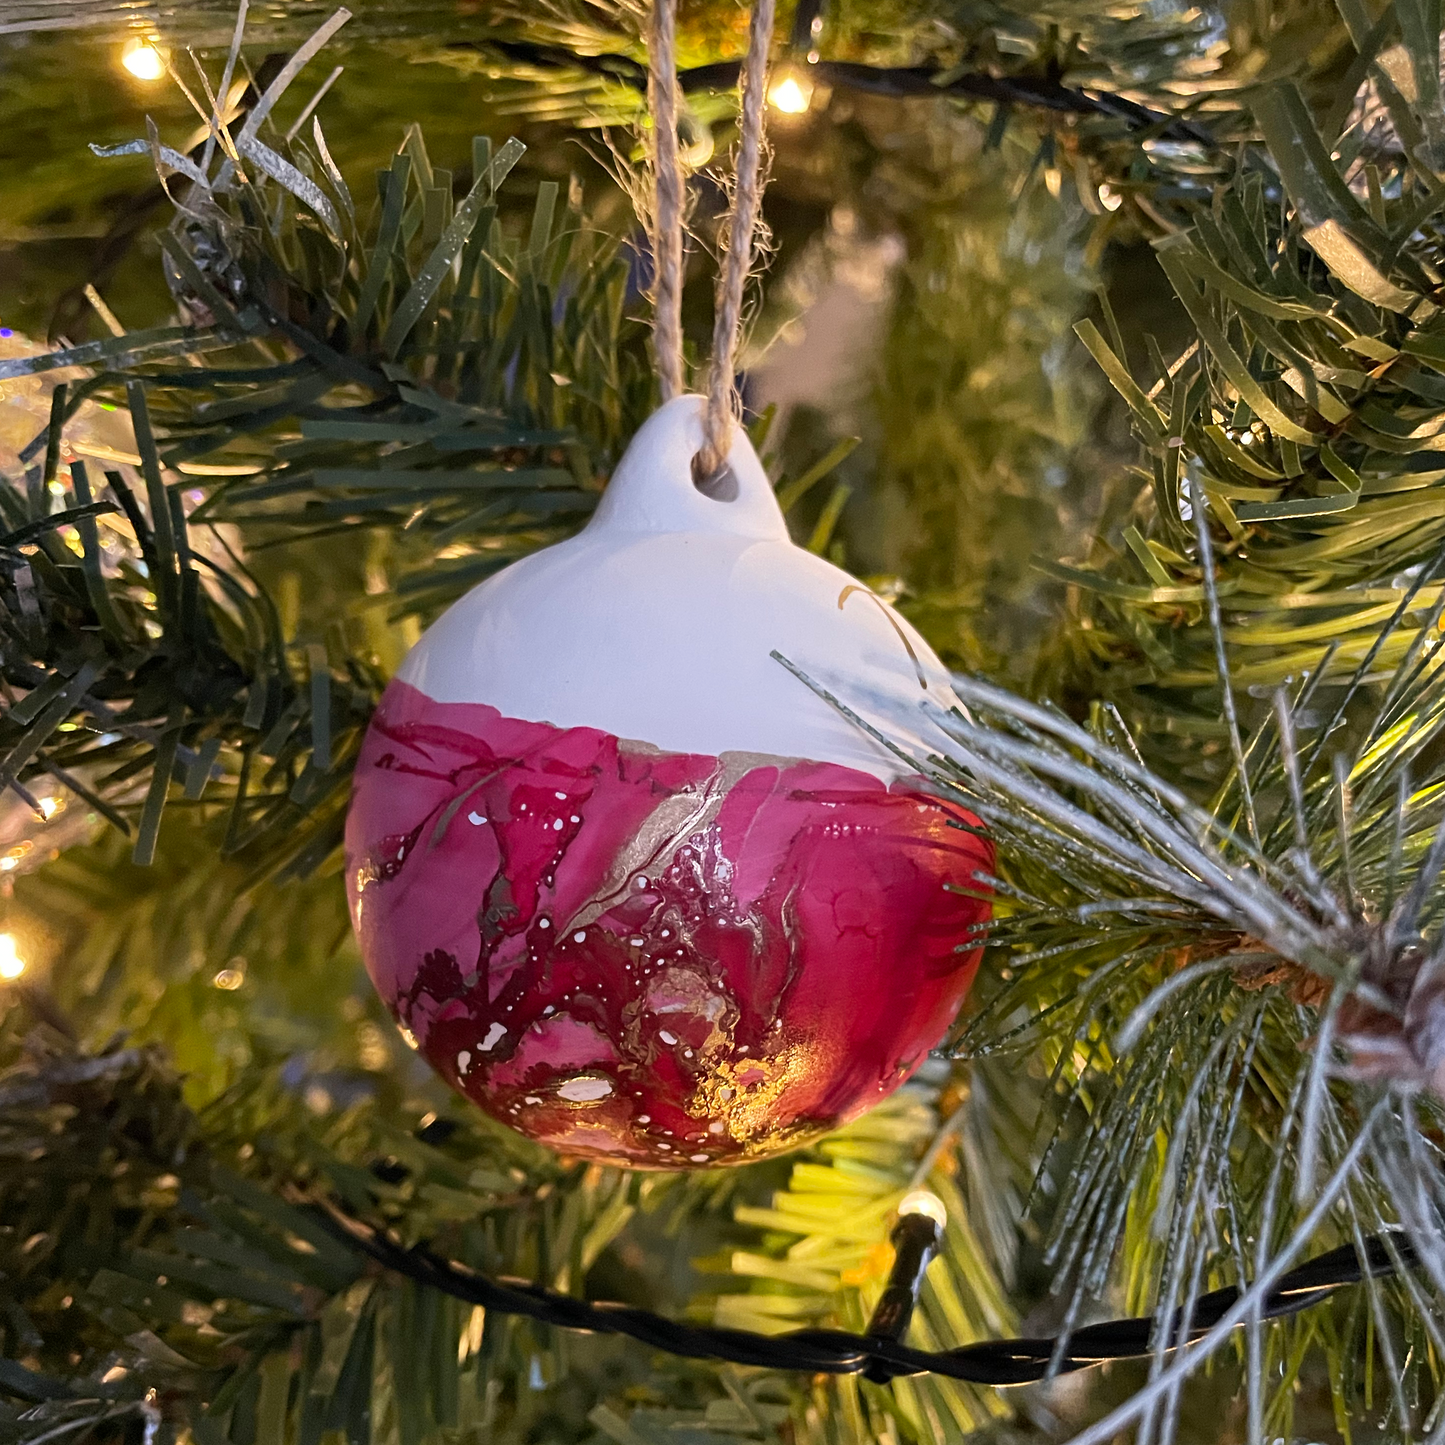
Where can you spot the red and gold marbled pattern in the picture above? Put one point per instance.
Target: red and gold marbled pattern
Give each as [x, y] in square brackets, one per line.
[662, 960]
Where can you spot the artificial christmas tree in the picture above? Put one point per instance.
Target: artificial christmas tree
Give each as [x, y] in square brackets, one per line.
[1203, 1044]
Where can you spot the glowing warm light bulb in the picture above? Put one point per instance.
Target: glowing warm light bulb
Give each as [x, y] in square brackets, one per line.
[923, 1201]
[143, 59]
[789, 96]
[11, 964]
[49, 807]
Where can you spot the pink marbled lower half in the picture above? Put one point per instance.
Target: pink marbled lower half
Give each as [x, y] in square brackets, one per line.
[658, 959]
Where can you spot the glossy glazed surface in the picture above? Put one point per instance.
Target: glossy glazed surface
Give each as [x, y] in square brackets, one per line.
[659, 959]
[661, 618]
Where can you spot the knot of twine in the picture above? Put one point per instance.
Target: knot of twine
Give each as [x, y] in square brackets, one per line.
[724, 406]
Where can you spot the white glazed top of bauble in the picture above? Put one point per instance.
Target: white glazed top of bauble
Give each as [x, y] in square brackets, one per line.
[658, 621]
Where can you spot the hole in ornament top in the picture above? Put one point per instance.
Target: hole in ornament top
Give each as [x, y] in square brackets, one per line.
[722, 486]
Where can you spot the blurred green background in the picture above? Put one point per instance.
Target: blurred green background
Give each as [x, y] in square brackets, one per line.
[925, 277]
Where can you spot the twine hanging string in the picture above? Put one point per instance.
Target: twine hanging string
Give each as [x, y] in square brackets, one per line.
[667, 197]
[724, 407]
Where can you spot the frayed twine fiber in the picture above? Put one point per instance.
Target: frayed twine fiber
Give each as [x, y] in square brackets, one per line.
[724, 409]
[668, 193]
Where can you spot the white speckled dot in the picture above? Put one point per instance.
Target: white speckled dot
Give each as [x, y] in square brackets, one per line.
[585, 1090]
[666, 1037]
[715, 1127]
[476, 819]
[574, 818]
[579, 937]
[557, 826]
[495, 1035]
[698, 1158]
[530, 1099]
[463, 1059]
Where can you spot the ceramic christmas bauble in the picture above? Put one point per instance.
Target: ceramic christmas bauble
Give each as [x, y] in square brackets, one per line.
[627, 882]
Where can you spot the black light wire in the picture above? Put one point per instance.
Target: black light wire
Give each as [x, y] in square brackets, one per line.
[878, 1354]
[1043, 92]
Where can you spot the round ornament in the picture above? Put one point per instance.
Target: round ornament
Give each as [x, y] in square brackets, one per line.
[626, 882]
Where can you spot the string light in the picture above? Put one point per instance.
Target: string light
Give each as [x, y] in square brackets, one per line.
[921, 1201]
[790, 96]
[916, 1239]
[880, 1354]
[11, 964]
[143, 59]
